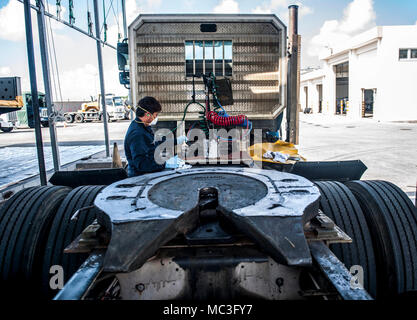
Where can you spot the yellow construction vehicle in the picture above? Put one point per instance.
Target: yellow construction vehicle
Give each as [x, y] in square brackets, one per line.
[92, 111]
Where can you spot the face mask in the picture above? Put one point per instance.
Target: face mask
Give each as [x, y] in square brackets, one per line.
[154, 121]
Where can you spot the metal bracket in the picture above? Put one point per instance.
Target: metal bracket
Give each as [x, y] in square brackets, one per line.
[336, 272]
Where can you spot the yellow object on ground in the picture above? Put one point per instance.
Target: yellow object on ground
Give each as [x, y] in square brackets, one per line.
[12, 103]
[257, 151]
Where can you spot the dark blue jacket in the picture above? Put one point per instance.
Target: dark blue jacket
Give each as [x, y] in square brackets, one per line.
[139, 150]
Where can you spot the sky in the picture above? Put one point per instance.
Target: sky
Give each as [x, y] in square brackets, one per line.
[322, 23]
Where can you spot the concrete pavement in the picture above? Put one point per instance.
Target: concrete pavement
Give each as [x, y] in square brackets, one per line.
[388, 149]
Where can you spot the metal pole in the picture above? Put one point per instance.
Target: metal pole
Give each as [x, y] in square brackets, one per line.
[292, 78]
[101, 75]
[34, 92]
[132, 115]
[124, 18]
[47, 82]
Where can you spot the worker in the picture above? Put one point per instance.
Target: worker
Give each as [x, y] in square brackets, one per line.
[139, 142]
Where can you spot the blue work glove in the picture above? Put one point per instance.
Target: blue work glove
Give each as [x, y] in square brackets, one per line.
[181, 139]
[174, 163]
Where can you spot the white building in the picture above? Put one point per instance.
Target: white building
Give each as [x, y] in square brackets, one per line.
[374, 75]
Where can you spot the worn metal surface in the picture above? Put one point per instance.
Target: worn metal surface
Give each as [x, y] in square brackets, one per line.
[82, 280]
[147, 211]
[210, 273]
[158, 68]
[133, 199]
[336, 272]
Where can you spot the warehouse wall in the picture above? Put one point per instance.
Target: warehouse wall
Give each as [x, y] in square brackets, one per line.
[397, 90]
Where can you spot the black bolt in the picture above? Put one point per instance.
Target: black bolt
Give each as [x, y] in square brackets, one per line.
[140, 287]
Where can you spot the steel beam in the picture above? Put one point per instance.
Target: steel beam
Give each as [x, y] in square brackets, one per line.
[47, 82]
[101, 75]
[79, 284]
[34, 92]
[71, 26]
[336, 272]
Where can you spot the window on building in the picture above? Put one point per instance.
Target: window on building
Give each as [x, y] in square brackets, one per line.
[205, 56]
[342, 70]
[403, 54]
[407, 54]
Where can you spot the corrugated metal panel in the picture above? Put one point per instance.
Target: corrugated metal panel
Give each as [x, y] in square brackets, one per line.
[160, 65]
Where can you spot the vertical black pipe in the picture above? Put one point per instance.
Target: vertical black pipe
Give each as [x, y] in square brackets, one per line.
[101, 75]
[124, 19]
[47, 82]
[34, 92]
[292, 77]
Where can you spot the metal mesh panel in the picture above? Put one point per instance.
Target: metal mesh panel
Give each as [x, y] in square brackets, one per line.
[160, 63]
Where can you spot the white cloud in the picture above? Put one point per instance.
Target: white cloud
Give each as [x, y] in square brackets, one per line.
[281, 8]
[305, 10]
[358, 16]
[11, 26]
[5, 71]
[132, 10]
[227, 6]
[79, 82]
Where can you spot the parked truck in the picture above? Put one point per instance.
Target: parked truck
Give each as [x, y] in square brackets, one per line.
[26, 116]
[92, 111]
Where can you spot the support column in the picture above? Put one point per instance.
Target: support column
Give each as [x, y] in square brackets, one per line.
[293, 79]
[34, 92]
[47, 83]
[101, 75]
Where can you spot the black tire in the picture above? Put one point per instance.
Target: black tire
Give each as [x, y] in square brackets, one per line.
[25, 220]
[69, 118]
[64, 231]
[101, 118]
[392, 220]
[45, 124]
[340, 205]
[6, 129]
[79, 118]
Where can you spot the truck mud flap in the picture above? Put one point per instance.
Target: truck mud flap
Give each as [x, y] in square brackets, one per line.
[326, 170]
[75, 179]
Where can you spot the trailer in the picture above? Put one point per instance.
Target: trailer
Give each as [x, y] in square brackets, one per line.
[166, 56]
[251, 229]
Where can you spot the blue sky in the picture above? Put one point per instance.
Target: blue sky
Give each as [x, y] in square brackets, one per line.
[321, 22]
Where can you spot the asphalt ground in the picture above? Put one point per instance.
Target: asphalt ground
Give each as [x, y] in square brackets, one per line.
[388, 149]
